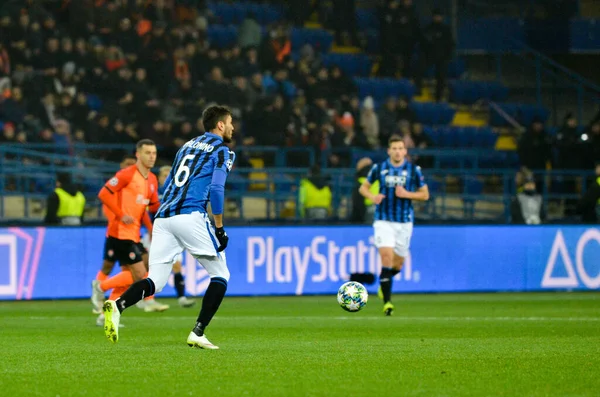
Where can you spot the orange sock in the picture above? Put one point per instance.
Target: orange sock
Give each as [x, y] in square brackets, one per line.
[122, 279]
[101, 276]
[116, 293]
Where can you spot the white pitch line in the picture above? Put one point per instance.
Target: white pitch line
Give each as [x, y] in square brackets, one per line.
[343, 318]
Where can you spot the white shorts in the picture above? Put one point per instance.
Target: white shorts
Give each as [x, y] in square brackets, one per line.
[145, 240]
[394, 235]
[192, 232]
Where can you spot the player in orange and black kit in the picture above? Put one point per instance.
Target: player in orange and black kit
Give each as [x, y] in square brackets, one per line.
[127, 196]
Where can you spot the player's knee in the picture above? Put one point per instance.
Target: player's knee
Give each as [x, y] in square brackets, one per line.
[177, 267]
[398, 262]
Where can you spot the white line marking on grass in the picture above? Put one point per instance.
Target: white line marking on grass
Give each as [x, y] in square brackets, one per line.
[342, 318]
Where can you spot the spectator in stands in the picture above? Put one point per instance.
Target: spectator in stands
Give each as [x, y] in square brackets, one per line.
[250, 32]
[347, 137]
[405, 113]
[591, 144]
[534, 149]
[341, 86]
[437, 48]
[421, 141]
[362, 208]
[314, 196]
[589, 206]
[527, 206]
[5, 69]
[276, 49]
[8, 133]
[14, 108]
[344, 22]
[369, 122]
[66, 204]
[388, 120]
[399, 34]
[567, 142]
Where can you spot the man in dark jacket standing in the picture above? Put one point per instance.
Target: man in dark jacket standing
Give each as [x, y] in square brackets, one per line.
[437, 47]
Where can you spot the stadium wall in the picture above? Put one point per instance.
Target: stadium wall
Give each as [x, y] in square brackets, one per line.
[49, 263]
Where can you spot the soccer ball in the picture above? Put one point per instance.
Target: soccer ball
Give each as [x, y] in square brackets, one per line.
[352, 296]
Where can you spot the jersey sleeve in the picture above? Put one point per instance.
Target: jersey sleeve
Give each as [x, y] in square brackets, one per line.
[373, 175]
[224, 160]
[420, 179]
[120, 180]
[154, 200]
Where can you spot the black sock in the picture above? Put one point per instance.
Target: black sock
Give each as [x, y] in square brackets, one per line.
[138, 291]
[210, 303]
[385, 281]
[179, 284]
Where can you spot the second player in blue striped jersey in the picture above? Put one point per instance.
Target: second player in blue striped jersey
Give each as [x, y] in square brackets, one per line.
[193, 179]
[400, 182]
[406, 175]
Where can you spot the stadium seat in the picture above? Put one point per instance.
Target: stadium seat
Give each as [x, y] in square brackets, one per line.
[433, 113]
[381, 88]
[585, 35]
[469, 92]
[366, 18]
[222, 36]
[523, 113]
[320, 39]
[351, 64]
[489, 34]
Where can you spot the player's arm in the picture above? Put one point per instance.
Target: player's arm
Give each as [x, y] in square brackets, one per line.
[422, 192]
[108, 194]
[154, 204]
[223, 163]
[364, 189]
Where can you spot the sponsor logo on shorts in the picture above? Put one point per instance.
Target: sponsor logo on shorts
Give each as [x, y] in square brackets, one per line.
[110, 253]
[132, 255]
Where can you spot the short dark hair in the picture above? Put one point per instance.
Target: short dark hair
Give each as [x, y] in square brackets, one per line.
[64, 179]
[144, 142]
[394, 139]
[212, 115]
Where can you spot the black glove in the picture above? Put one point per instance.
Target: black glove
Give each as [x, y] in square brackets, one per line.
[222, 237]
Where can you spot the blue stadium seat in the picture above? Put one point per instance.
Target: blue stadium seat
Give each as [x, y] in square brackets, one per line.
[366, 18]
[351, 64]
[469, 92]
[222, 36]
[585, 35]
[320, 39]
[523, 113]
[433, 113]
[489, 34]
[380, 89]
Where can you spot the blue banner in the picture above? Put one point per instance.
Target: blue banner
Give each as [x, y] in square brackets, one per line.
[43, 263]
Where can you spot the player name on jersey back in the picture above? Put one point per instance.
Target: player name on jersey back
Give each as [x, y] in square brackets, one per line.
[198, 145]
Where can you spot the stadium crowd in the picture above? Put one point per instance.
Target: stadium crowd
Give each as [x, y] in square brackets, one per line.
[117, 71]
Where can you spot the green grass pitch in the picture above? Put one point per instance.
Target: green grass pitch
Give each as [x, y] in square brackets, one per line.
[435, 345]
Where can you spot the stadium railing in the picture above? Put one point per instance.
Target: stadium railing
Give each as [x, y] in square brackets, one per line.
[270, 194]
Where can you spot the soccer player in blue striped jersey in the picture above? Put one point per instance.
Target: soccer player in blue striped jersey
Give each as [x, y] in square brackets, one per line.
[197, 178]
[400, 182]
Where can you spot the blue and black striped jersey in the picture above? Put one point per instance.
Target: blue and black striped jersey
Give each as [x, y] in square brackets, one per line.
[187, 188]
[392, 208]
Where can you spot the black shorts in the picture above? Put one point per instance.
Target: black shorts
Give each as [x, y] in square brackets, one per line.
[143, 249]
[126, 252]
